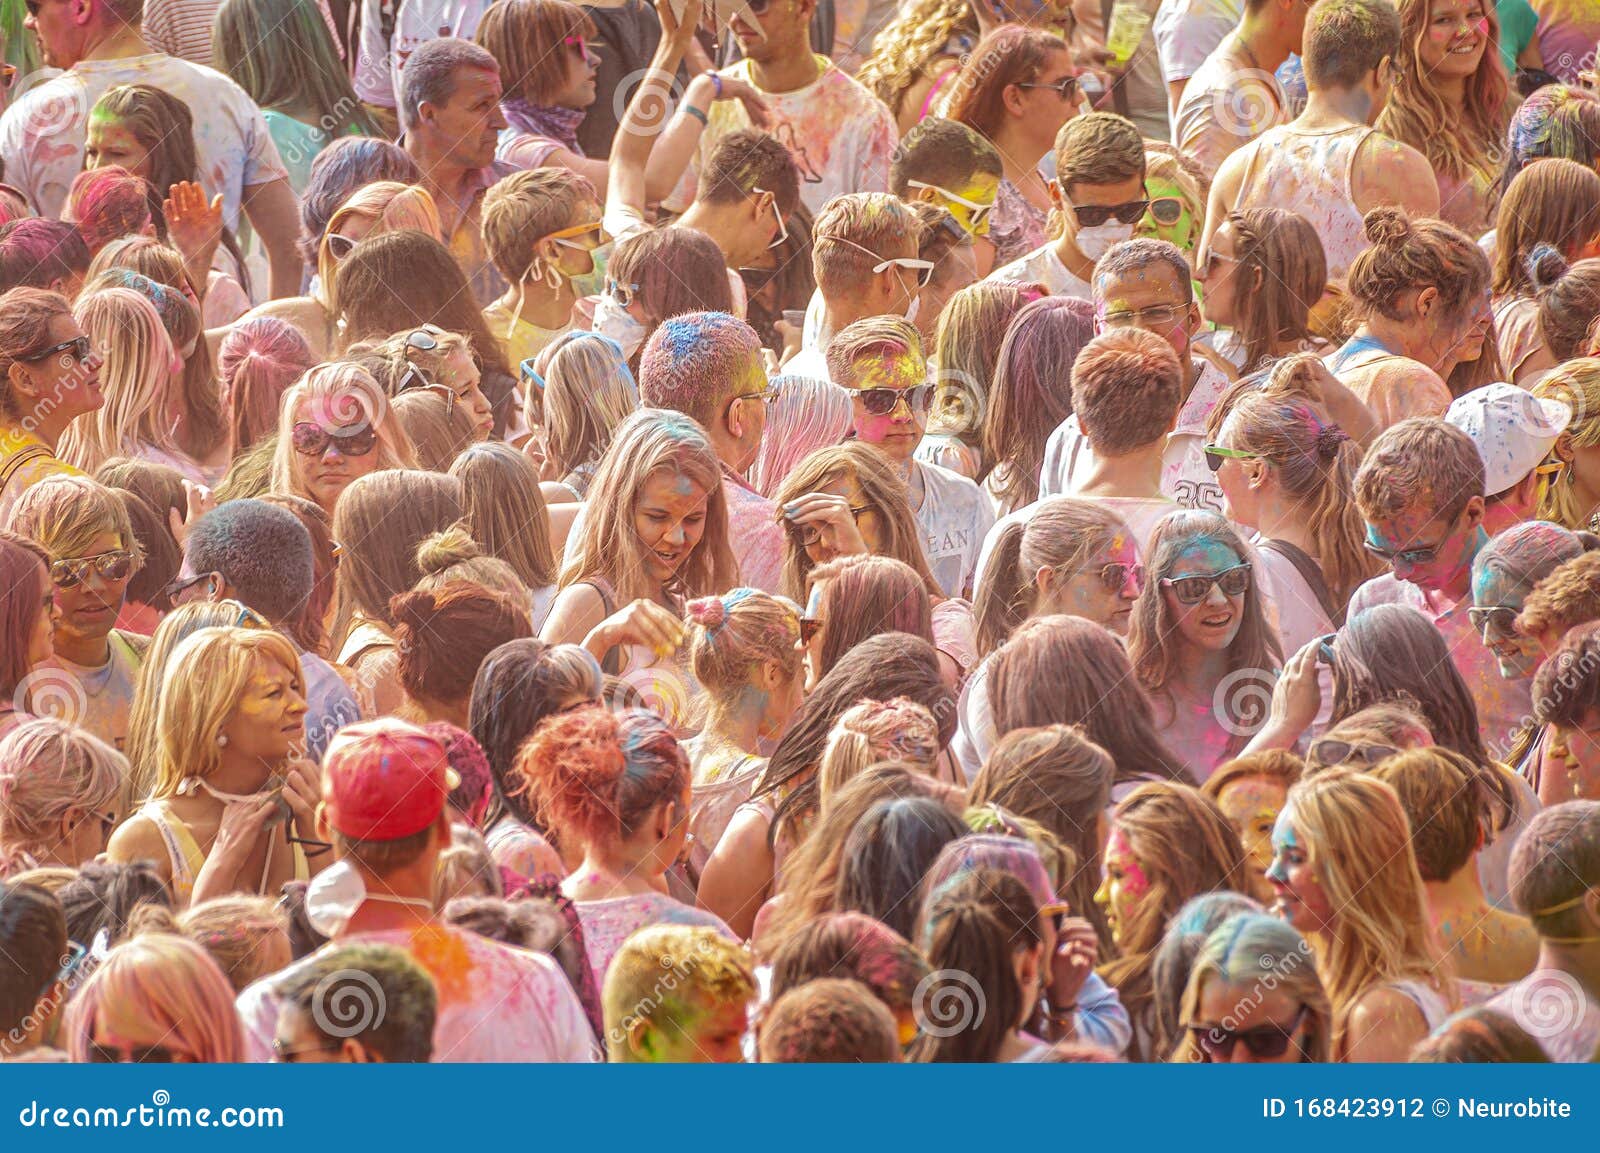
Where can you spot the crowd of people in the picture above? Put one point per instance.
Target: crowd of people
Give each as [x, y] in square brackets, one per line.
[829, 530]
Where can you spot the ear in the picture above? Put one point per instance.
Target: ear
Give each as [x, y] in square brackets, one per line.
[926, 195]
[1474, 512]
[1427, 300]
[21, 383]
[324, 830]
[1256, 471]
[70, 820]
[1058, 199]
[1044, 580]
[1011, 97]
[1565, 448]
[355, 1053]
[733, 417]
[641, 1040]
[770, 677]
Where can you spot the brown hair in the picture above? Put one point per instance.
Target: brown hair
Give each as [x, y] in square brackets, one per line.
[1127, 388]
[1567, 686]
[442, 636]
[25, 316]
[1411, 254]
[527, 40]
[875, 334]
[1447, 803]
[523, 208]
[677, 270]
[1280, 765]
[1569, 300]
[745, 160]
[1346, 39]
[1415, 461]
[1553, 202]
[24, 584]
[1284, 270]
[875, 221]
[1100, 148]
[864, 596]
[1091, 684]
[828, 1020]
[380, 520]
[966, 346]
[1010, 54]
[505, 509]
[1568, 597]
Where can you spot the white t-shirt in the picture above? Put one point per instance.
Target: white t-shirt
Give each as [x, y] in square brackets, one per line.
[42, 134]
[496, 1003]
[954, 516]
[1301, 618]
[1187, 31]
[1043, 266]
[840, 135]
[808, 362]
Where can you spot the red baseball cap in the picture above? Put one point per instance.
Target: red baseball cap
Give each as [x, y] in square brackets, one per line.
[385, 779]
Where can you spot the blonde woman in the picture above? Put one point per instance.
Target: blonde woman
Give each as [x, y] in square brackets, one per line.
[587, 392]
[248, 937]
[333, 427]
[654, 533]
[1573, 500]
[1254, 997]
[452, 556]
[506, 514]
[60, 795]
[156, 998]
[231, 804]
[744, 654]
[377, 208]
[1346, 877]
[381, 520]
[141, 746]
[141, 378]
[429, 359]
[897, 730]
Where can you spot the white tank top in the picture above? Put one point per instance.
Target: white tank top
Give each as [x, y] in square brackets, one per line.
[1309, 172]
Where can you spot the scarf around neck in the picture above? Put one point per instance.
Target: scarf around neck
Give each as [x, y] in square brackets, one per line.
[559, 124]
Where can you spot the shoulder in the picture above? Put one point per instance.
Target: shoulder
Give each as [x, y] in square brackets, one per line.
[1383, 589]
[1382, 157]
[61, 100]
[1384, 1007]
[950, 485]
[138, 839]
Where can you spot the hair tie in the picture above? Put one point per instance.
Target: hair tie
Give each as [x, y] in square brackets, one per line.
[1329, 439]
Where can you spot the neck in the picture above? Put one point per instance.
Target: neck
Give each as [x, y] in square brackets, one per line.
[618, 870]
[786, 71]
[840, 313]
[440, 173]
[1579, 961]
[239, 774]
[1137, 474]
[1199, 670]
[1019, 153]
[1460, 586]
[709, 219]
[1278, 520]
[1394, 335]
[1585, 489]
[1331, 107]
[51, 425]
[1268, 44]
[89, 652]
[1077, 263]
[1462, 891]
[735, 726]
[412, 882]
[118, 43]
[730, 453]
[1452, 90]
[541, 306]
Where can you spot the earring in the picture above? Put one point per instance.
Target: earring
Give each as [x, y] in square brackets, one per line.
[222, 739]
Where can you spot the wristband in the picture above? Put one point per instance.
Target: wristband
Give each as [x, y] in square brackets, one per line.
[697, 114]
[716, 86]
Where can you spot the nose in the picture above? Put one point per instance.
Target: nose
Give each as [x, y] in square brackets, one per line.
[1215, 596]
[1102, 895]
[95, 362]
[1240, 1055]
[676, 534]
[1130, 587]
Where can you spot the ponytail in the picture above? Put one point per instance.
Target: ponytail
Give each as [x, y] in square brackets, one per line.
[1005, 597]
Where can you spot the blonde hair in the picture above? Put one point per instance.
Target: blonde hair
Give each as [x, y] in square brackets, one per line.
[1457, 141]
[438, 430]
[48, 768]
[505, 509]
[872, 220]
[141, 745]
[344, 393]
[1263, 953]
[1576, 383]
[162, 990]
[588, 392]
[897, 730]
[205, 679]
[913, 40]
[733, 634]
[64, 514]
[390, 206]
[651, 441]
[709, 970]
[1358, 841]
[139, 377]
[394, 355]
[233, 930]
[453, 555]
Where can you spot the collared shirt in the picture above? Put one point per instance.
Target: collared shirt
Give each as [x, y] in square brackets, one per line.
[460, 221]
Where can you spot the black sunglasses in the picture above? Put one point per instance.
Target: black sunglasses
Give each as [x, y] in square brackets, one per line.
[1191, 590]
[79, 346]
[1094, 215]
[148, 1055]
[313, 440]
[1266, 1042]
[883, 401]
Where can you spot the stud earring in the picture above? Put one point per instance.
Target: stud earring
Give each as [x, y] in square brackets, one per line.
[222, 739]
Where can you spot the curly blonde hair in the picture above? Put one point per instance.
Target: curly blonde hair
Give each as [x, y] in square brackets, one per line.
[910, 42]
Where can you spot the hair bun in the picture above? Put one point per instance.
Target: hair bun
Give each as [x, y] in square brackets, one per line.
[413, 609]
[708, 612]
[1387, 227]
[1329, 440]
[443, 550]
[1545, 266]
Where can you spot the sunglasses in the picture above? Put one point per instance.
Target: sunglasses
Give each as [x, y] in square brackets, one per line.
[1414, 557]
[1203, 269]
[1166, 210]
[1156, 316]
[531, 374]
[809, 628]
[1332, 751]
[177, 587]
[1066, 87]
[581, 47]
[883, 401]
[1265, 1042]
[119, 1055]
[782, 236]
[977, 214]
[568, 236]
[923, 268]
[1191, 590]
[1114, 577]
[339, 245]
[1502, 618]
[78, 346]
[621, 293]
[8, 76]
[1215, 454]
[313, 440]
[69, 573]
[1094, 215]
[768, 395]
[810, 534]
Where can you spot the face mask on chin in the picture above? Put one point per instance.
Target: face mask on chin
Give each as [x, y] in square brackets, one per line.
[1097, 241]
[913, 308]
[611, 319]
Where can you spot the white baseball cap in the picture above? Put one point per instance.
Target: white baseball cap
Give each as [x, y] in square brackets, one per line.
[1513, 429]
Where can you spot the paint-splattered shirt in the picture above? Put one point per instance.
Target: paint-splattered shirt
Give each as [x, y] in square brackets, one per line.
[607, 924]
[1228, 102]
[1502, 702]
[1043, 266]
[1017, 226]
[1393, 387]
[1187, 31]
[754, 533]
[42, 134]
[496, 1003]
[840, 135]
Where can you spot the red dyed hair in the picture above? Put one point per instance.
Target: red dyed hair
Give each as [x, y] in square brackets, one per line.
[258, 361]
[599, 775]
[443, 634]
[1009, 55]
[109, 203]
[23, 581]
